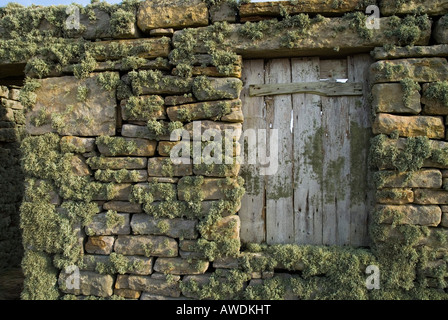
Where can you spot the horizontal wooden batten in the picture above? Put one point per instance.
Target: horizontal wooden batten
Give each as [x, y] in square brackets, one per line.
[326, 89]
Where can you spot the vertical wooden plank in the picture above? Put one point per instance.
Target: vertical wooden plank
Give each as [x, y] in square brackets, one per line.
[279, 187]
[308, 155]
[252, 212]
[336, 171]
[360, 133]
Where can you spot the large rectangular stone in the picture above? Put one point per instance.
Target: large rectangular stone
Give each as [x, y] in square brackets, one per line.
[155, 286]
[100, 245]
[59, 109]
[409, 126]
[175, 228]
[228, 227]
[417, 69]
[209, 88]
[103, 224]
[395, 196]
[172, 14]
[429, 196]
[429, 178]
[430, 7]
[137, 264]
[120, 146]
[388, 98]
[77, 144]
[179, 266]
[197, 129]
[123, 206]
[324, 37]
[410, 214]
[159, 246]
[440, 32]
[90, 283]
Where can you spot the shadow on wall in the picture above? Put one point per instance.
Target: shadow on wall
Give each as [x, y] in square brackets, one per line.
[11, 193]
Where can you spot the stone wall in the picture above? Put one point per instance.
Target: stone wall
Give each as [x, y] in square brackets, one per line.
[105, 205]
[12, 186]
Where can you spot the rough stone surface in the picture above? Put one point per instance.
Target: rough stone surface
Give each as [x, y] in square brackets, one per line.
[401, 196]
[100, 245]
[159, 246]
[418, 69]
[311, 6]
[433, 106]
[388, 97]
[322, 39]
[217, 89]
[412, 126]
[180, 266]
[79, 166]
[78, 144]
[144, 264]
[222, 12]
[431, 7]
[144, 148]
[228, 227]
[4, 92]
[171, 85]
[175, 228]
[444, 222]
[90, 283]
[104, 50]
[163, 167]
[381, 53]
[99, 226]
[172, 14]
[93, 117]
[212, 188]
[154, 286]
[440, 32]
[427, 196]
[123, 206]
[121, 191]
[419, 179]
[410, 214]
[137, 131]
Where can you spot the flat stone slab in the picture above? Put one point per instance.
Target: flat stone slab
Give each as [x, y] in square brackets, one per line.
[57, 100]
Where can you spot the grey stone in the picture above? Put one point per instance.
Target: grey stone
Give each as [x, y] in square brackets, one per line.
[217, 88]
[100, 227]
[160, 246]
[163, 167]
[440, 32]
[154, 286]
[78, 144]
[410, 214]
[180, 266]
[143, 148]
[175, 228]
[123, 206]
[90, 283]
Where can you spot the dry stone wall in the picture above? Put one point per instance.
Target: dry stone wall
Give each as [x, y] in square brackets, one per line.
[106, 214]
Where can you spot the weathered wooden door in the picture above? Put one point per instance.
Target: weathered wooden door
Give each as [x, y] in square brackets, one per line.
[319, 194]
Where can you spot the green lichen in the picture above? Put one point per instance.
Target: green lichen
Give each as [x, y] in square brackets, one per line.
[147, 108]
[408, 30]
[117, 145]
[409, 87]
[385, 153]
[438, 91]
